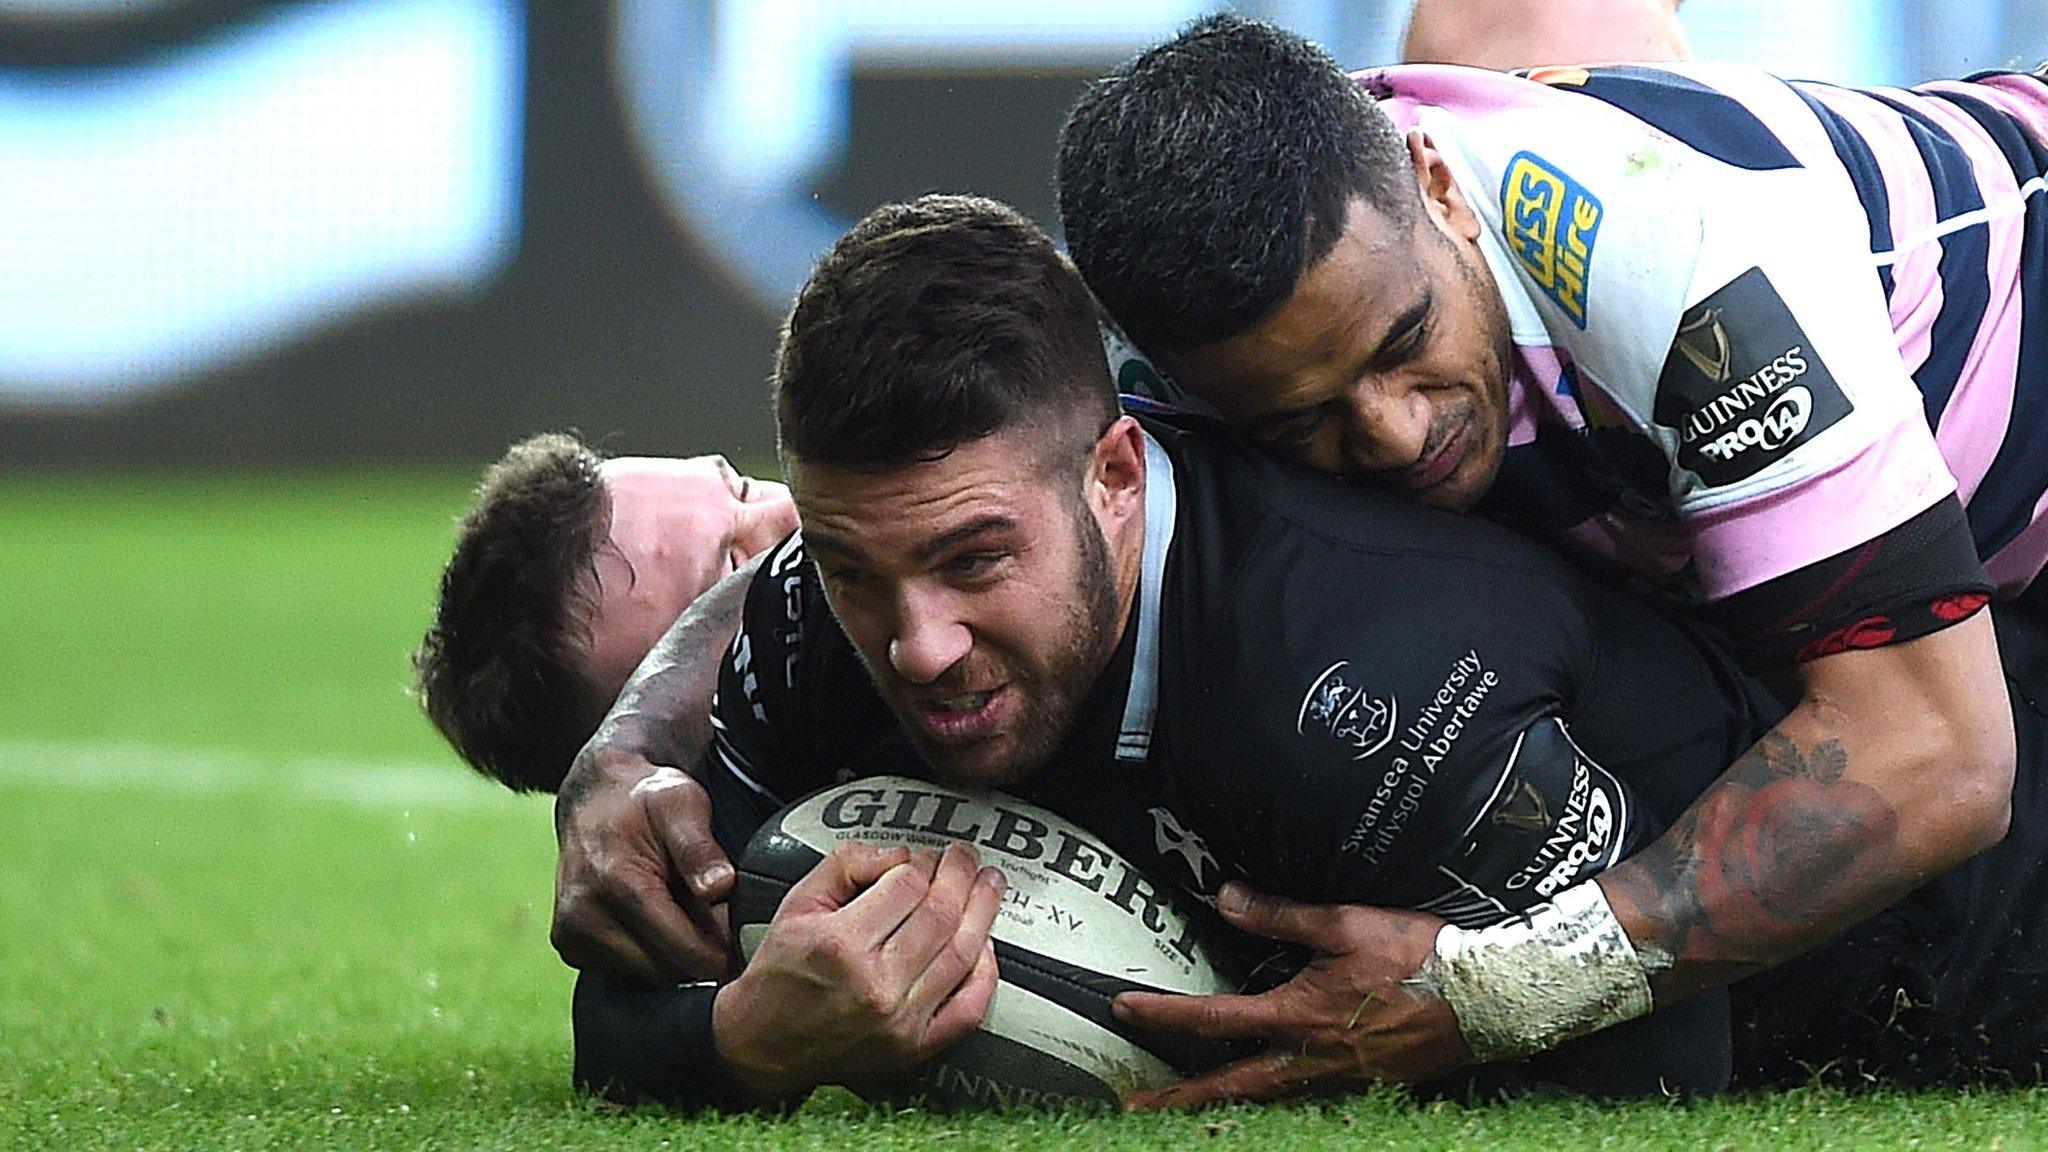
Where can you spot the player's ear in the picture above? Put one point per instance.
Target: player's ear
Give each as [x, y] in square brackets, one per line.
[1442, 200]
[1116, 471]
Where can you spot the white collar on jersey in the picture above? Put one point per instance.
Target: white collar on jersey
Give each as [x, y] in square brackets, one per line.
[1141, 701]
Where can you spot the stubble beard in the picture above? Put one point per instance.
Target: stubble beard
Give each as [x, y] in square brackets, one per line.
[1053, 696]
[1494, 393]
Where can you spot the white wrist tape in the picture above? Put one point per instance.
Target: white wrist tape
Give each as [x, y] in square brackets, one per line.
[1560, 970]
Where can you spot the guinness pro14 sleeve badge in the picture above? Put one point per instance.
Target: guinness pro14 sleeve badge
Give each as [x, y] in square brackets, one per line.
[1742, 385]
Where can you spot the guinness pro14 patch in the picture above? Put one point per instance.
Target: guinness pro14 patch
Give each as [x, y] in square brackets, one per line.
[1742, 385]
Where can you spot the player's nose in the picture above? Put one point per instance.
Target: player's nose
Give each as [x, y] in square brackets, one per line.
[927, 639]
[1386, 425]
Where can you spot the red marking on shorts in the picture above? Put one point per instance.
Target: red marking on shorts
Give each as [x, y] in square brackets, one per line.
[1869, 632]
[1960, 606]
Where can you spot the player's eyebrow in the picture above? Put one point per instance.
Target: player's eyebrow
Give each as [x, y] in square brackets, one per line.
[1258, 425]
[1408, 320]
[817, 541]
[988, 523]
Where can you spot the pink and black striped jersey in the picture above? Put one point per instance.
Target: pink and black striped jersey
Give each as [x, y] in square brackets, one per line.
[1759, 323]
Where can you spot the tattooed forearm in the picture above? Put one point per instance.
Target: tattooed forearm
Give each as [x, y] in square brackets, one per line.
[1781, 851]
[663, 715]
[666, 704]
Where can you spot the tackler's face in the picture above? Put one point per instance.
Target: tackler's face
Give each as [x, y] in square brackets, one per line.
[980, 589]
[1388, 361]
[678, 526]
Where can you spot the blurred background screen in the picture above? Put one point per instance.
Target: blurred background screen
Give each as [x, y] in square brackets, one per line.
[412, 230]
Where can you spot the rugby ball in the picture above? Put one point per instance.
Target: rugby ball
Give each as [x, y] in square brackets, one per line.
[1078, 925]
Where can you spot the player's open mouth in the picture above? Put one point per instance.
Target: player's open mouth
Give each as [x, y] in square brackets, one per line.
[965, 716]
[1437, 467]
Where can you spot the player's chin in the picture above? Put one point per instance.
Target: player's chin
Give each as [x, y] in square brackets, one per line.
[998, 761]
[1467, 484]
[1457, 493]
[1451, 494]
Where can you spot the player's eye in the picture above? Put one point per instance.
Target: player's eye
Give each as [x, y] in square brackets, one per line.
[843, 579]
[971, 566]
[1296, 432]
[1407, 345]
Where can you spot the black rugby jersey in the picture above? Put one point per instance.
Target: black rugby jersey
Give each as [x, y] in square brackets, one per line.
[1334, 695]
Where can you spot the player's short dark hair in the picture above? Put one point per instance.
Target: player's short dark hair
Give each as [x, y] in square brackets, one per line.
[1201, 178]
[934, 323]
[500, 670]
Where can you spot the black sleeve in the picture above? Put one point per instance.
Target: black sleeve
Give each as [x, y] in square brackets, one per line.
[637, 1044]
[758, 717]
[1916, 579]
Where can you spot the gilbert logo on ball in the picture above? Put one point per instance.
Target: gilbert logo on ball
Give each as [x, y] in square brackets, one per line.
[1078, 925]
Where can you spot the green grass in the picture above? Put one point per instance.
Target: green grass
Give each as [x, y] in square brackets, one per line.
[252, 613]
[246, 901]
